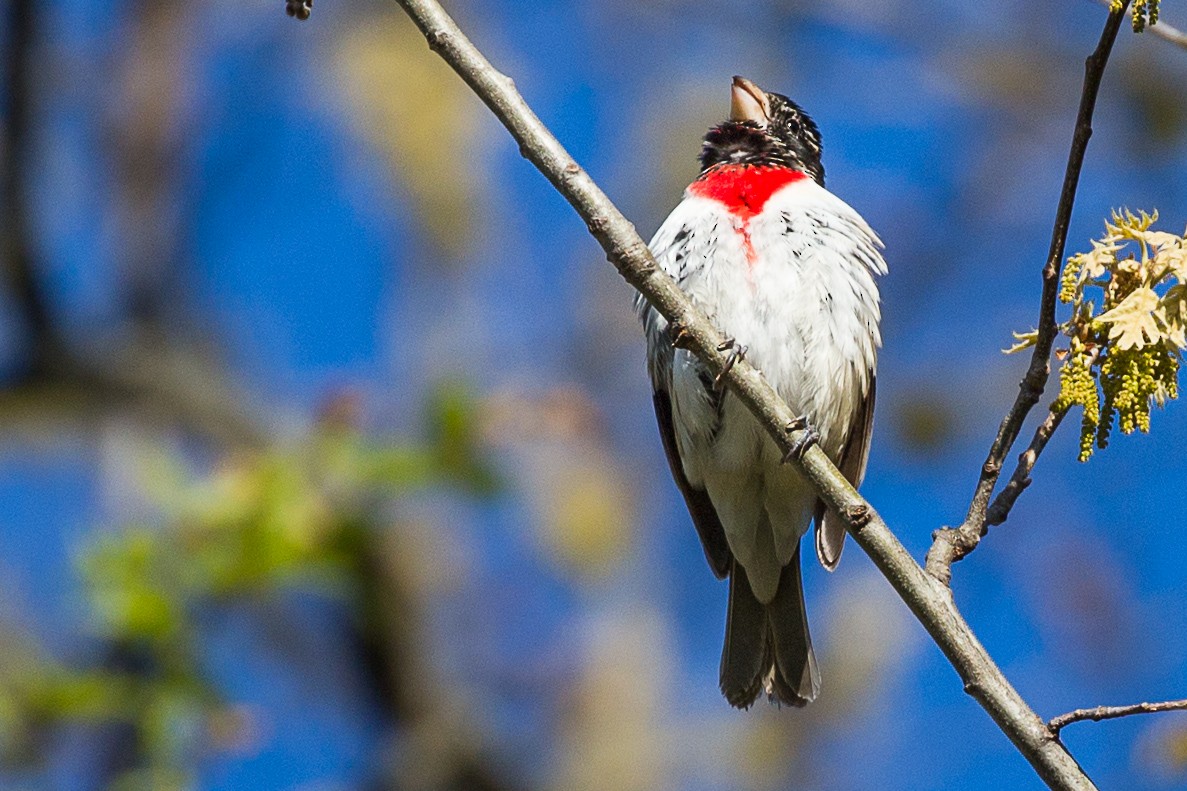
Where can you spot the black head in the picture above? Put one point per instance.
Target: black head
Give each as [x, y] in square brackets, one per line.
[764, 129]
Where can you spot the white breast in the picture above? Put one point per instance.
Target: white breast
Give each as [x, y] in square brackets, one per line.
[794, 284]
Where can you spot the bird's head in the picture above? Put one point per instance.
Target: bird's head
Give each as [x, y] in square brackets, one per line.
[765, 130]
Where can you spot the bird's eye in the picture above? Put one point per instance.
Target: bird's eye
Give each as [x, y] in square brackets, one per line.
[793, 125]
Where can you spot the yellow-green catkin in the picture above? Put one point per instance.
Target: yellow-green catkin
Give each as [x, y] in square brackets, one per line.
[1139, 15]
[1167, 373]
[1134, 379]
[1077, 387]
[1121, 362]
[1145, 12]
[1070, 280]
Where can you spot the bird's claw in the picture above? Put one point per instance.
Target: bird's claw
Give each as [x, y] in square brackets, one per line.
[680, 335]
[736, 352]
[802, 443]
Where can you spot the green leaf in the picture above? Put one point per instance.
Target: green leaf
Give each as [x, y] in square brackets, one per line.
[1133, 320]
[1025, 341]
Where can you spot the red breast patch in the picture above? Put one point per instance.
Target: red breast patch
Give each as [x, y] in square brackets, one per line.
[743, 189]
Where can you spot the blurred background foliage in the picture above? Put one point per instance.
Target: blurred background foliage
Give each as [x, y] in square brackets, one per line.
[328, 459]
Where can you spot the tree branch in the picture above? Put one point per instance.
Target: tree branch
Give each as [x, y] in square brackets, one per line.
[928, 599]
[1056, 724]
[1161, 30]
[1000, 510]
[952, 544]
[146, 369]
[1169, 34]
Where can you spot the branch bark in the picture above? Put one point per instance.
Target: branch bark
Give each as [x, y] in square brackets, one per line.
[930, 600]
[1112, 712]
[951, 544]
[1026, 461]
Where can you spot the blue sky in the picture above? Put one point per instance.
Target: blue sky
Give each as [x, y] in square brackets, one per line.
[301, 251]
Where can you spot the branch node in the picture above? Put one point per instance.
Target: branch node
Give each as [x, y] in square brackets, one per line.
[938, 563]
[858, 515]
[598, 225]
[975, 689]
[439, 40]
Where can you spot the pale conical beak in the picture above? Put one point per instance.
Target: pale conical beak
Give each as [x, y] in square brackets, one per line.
[749, 103]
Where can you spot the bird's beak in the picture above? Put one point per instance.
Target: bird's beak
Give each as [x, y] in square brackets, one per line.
[749, 103]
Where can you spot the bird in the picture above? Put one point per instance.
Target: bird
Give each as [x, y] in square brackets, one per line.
[786, 271]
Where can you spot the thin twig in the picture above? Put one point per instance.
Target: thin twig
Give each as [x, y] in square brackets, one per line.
[1020, 480]
[1056, 724]
[1168, 33]
[1026, 461]
[952, 544]
[1161, 30]
[931, 602]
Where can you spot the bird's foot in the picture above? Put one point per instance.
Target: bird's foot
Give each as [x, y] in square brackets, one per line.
[736, 352]
[806, 440]
[679, 335]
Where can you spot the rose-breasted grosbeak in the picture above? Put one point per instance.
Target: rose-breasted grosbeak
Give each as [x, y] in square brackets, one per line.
[786, 270]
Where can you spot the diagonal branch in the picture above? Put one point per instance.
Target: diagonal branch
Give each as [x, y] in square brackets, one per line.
[1169, 34]
[929, 600]
[1026, 461]
[952, 544]
[1099, 713]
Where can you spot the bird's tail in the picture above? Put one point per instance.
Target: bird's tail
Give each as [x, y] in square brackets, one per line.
[767, 646]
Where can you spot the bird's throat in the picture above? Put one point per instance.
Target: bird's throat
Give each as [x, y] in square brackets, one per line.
[743, 189]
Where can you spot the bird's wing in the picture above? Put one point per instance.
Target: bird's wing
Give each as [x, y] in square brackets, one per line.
[700, 507]
[671, 249]
[830, 530]
[854, 252]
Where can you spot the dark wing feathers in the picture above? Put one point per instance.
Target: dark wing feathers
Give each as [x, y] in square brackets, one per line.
[704, 516]
[830, 530]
